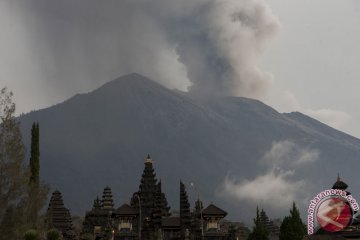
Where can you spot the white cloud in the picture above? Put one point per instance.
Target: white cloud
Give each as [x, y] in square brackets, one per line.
[274, 188]
[307, 156]
[288, 154]
[279, 152]
[277, 187]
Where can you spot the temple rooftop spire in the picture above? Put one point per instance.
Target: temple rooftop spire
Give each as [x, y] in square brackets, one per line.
[148, 159]
[340, 184]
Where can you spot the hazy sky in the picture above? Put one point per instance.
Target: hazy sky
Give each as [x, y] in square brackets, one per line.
[314, 60]
[295, 55]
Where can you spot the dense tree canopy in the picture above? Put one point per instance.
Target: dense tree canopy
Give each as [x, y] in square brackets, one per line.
[35, 154]
[292, 227]
[37, 190]
[14, 176]
[259, 231]
[21, 199]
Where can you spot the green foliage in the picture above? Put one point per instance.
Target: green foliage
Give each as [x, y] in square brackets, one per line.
[35, 154]
[31, 235]
[20, 200]
[54, 234]
[13, 174]
[259, 231]
[37, 193]
[292, 227]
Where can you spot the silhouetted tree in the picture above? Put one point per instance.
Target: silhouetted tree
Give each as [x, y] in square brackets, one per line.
[35, 154]
[259, 231]
[14, 176]
[37, 191]
[292, 227]
[20, 198]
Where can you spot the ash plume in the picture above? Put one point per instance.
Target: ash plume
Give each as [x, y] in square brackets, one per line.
[204, 46]
[219, 44]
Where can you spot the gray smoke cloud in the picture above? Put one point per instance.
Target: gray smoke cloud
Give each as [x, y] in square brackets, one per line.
[219, 42]
[205, 46]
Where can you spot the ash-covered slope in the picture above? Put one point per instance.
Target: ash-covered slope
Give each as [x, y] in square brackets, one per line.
[101, 138]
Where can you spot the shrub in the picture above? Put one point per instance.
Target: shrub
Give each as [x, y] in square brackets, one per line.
[54, 234]
[31, 235]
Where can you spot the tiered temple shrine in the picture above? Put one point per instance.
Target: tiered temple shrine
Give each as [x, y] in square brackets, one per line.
[273, 230]
[97, 223]
[148, 215]
[59, 217]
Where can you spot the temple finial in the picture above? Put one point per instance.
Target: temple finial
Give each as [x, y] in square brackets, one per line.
[338, 177]
[148, 159]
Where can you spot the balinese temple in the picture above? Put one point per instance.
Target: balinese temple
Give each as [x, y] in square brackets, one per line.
[185, 213]
[150, 202]
[212, 216]
[235, 230]
[107, 202]
[148, 215]
[351, 232]
[97, 222]
[59, 217]
[273, 230]
[125, 221]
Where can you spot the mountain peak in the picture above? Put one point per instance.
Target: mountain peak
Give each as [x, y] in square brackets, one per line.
[133, 79]
[131, 83]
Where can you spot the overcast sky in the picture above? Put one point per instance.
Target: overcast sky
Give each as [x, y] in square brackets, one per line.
[299, 55]
[314, 60]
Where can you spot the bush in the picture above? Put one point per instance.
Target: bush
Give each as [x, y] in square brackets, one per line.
[31, 235]
[54, 234]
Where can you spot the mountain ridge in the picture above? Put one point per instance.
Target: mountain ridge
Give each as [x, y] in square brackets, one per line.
[101, 137]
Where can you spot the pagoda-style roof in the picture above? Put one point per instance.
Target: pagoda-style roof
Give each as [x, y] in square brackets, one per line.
[170, 222]
[59, 216]
[339, 184]
[107, 200]
[214, 211]
[125, 210]
[269, 225]
[97, 213]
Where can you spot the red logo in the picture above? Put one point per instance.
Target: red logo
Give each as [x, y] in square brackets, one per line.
[334, 214]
